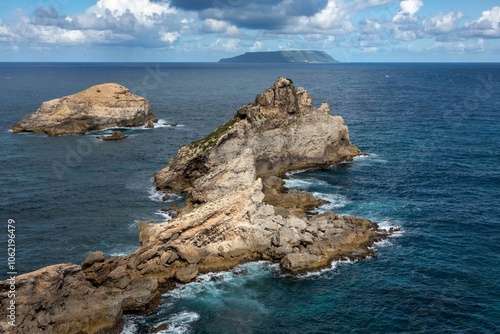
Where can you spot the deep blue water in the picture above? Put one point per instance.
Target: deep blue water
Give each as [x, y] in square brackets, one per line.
[433, 169]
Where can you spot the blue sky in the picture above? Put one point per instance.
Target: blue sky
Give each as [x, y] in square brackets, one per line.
[194, 30]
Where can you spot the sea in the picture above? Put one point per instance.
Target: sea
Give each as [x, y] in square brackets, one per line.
[431, 134]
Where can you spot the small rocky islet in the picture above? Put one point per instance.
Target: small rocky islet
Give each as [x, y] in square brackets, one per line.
[99, 107]
[236, 210]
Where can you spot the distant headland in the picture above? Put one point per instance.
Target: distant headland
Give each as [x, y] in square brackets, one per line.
[281, 57]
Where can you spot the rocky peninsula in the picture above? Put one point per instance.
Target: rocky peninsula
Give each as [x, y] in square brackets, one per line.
[99, 107]
[237, 210]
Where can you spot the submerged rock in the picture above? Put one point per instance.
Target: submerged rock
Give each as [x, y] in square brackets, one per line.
[117, 135]
[237, 210]
[99, 107]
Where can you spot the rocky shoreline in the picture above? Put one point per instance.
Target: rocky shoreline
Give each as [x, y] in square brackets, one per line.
[237, 210]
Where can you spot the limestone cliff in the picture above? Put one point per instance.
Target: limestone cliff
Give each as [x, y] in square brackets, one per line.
[279, 132]
[96, 108]
[237, 210]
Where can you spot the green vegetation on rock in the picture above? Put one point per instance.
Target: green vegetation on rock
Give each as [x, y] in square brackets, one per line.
[212, 139]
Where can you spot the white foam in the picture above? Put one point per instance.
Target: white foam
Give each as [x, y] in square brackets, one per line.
[387, 225]
[304, 183]
[382, 243]
[323, 273]
[370, 157]
[337, 201]
[123, 252]
[155, 195]
[298, 171]
[363, 157]
[217, 283]
[164, 124]
[164, 214]
[129, 328]
[179, 323]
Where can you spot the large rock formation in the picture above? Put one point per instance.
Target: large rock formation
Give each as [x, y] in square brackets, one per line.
[99, 107]
[237, 210]
[279, 132]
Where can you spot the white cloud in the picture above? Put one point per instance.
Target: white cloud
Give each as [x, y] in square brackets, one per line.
[146, 13]
[407, 26]
[443, 23]
[488, 25]
[169, 37]
[408, 9]
[458, 47]
[257, 46]
[26, 31]
[227, 45]
[411, 7]
[218, 26]
[6, 34]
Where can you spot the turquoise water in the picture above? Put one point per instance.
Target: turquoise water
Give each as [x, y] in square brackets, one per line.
[431, 132]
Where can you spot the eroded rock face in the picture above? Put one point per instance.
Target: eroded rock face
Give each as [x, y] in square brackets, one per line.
[279, 132]
[237, 210]
[99, 107]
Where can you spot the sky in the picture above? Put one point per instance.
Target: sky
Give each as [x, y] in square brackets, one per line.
[205, 31]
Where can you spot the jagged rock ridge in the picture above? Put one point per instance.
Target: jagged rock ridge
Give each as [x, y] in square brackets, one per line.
[98, 107]
[280, 131]
[237, 210]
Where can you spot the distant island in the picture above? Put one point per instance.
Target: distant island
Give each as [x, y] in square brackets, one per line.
[281, 57]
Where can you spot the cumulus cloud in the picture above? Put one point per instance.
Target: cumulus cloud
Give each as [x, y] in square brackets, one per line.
[125, 22]
[6, 34]
[227, 45]
[487, 26]
[411, 7]
[458, 47]
[257, 46]
[170, 37]
[407, 26]
[238, 25]
[443, 23]
[220, 27]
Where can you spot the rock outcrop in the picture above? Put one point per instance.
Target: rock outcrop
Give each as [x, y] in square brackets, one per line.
[237, 210]
[117, 135]
[99, 107]
[281, 131]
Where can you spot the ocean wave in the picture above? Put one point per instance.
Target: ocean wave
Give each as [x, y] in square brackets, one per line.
[214, 284]
[337, 201]
[325, 272]
[370, 157]
[164, 124]
[387, 225]
[304, 183]
[122, 251]
[163, 214]
[129, 328]
[298, 171]
[157, 195]
[178, 323]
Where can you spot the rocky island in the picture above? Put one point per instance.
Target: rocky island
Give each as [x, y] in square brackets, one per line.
[99, 107]
[281, 57]
[237, 210]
